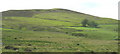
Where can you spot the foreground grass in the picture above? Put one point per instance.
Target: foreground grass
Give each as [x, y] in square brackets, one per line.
[44, 41]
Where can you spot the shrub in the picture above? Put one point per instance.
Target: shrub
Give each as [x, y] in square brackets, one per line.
[84, 22]
[92, 24]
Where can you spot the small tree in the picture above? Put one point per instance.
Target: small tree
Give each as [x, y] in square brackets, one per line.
[84, 22]
[92, 24]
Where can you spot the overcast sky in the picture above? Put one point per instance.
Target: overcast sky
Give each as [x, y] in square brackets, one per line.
[101, 8]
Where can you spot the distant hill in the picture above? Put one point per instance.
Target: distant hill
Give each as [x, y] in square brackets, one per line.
[58, 14]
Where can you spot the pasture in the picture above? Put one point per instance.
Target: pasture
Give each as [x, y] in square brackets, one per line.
[57, 30]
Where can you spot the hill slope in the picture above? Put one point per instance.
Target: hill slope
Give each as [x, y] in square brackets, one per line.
[57, 14]
[57, 30]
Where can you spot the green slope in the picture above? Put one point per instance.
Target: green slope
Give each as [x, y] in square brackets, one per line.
[57, 14]
[57, 30]
[44, 41]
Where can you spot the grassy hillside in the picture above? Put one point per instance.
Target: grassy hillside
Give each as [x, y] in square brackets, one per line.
[57, 30]
[57, 15]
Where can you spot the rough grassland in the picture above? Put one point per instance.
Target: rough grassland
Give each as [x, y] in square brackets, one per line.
[57, 30]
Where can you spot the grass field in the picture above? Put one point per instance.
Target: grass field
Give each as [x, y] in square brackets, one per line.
[57, 30]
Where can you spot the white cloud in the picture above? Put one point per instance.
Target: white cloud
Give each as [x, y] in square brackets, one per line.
[102, 8]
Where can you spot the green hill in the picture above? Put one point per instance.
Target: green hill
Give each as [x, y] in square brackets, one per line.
[57, 14]
[57, 30]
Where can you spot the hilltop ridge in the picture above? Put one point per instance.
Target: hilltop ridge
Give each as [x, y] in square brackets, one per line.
[36, 11]
[56, 13]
